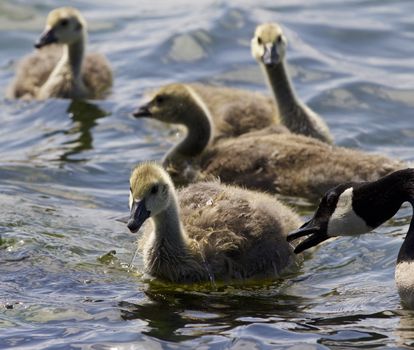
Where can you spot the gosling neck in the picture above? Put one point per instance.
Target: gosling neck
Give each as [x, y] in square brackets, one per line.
[168, 230]
[74, 56]
[69, 66]
[282, 89]
[199, 134]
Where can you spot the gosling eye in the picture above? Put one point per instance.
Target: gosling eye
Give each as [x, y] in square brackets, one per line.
[154, 189]
[159, 99]
[259, 40]
[279, 39]
[64, 22]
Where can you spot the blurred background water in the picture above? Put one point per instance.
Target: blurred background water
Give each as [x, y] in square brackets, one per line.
[64, 170]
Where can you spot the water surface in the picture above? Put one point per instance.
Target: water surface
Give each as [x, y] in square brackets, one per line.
[64, 170]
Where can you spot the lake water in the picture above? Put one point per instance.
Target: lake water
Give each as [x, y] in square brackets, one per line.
[64, 170]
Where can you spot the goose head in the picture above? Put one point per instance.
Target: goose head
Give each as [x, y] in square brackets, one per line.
[339, 214]
[174, 103]
[151, 192]
[268, 45]
[64, 25]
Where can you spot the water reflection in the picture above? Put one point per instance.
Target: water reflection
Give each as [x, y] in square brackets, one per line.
[404, 330]
[84, 116]
[175, 314]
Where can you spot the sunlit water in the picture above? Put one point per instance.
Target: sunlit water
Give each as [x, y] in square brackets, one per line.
[64, 169]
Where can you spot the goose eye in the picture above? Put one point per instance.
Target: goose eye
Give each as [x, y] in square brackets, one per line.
[259, 40]
[330, 198]
[154, 189]
[64, 22]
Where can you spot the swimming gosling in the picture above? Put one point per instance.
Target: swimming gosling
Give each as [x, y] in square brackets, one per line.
[268, 47]
[233, 111]
[277, 163]
[354, 208]
[208, 231]
[62, 71]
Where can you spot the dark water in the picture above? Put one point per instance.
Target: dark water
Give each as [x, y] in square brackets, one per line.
[64, 170]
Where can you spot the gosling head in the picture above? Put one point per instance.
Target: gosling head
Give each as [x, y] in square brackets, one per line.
[64, 25]
[170, 104]
[337, 215]
[150, 193]
[269, 44]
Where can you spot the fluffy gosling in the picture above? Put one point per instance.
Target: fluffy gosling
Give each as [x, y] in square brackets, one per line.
[268, 47]
[62, 71]
[278, 163]
[208, 231]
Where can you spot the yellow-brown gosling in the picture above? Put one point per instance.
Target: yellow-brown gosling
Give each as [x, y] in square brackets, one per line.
[278, 163]
[208, 231]
[234, 111]
[355, 208]
[62, 71]
[268, 47]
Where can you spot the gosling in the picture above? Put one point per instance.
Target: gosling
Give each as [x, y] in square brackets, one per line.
[234, 111]
[358, 207]
[277, 163]
[210, 232]
[268, 47]
[62, 72]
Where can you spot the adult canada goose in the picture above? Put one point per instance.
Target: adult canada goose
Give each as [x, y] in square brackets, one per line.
[279, 163]
[354, 208]
[209, 231]
[62, 70]
[268, 47]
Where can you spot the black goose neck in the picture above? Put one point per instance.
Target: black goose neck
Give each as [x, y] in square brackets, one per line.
[406, 252]
[378, 201]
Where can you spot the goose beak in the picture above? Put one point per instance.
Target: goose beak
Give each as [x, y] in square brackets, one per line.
[142, 112]
[139, 214]
[315, 232]
[46, 38]
[271, 55]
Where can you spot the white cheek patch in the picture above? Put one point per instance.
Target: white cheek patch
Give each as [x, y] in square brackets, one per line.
[344, 221]
[131, 200]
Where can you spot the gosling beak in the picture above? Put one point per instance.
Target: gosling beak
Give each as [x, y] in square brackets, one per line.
[138, 215]
[142, 112]
[317, 235]
[46, 38]
[270, 55]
